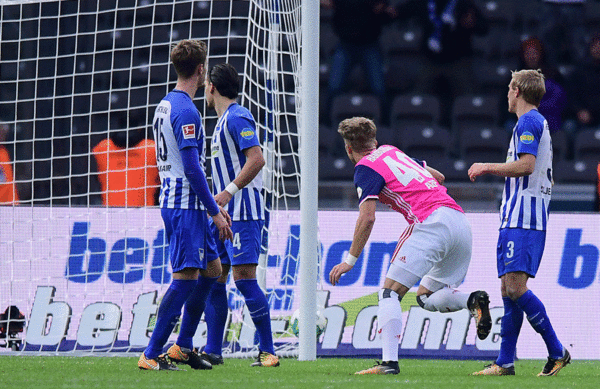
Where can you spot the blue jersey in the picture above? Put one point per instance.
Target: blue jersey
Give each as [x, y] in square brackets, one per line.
[236, 131]
[177, 124]
[526, 199]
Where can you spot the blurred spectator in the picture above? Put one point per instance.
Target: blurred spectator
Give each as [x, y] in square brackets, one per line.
[532, 55]
[585, 87]
[8, 190]
[564, 26]
[358, 24]
[127, 171]
[448, 27]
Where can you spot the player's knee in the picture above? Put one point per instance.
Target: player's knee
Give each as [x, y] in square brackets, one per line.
[244, 272]
[389, 307]
[213, 269]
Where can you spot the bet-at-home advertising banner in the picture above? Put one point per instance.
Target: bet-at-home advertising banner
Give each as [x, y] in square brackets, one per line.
[92, 279]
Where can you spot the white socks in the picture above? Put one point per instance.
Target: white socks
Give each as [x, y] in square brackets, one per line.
[444, 300]
[389, 319]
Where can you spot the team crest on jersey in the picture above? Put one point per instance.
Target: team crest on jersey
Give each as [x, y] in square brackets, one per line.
[189, 131]
[247, 133]
[527, 137]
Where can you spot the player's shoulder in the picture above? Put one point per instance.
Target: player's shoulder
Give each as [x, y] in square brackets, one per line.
[375, 155]
[238, 111]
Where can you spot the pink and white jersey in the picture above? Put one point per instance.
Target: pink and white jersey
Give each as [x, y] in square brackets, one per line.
[401, 183]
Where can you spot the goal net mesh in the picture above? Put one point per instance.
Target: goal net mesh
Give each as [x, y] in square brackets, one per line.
[88, 270]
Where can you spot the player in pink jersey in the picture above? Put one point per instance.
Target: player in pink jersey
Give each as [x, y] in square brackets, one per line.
[435, 248]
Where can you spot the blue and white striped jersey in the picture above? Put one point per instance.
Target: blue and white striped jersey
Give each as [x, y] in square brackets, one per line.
[177, 124]
[236, 131]
[526, 200]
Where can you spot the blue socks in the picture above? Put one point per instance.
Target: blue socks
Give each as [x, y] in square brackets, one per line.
[168, 315]
[536, 314]
[259, 311]
[509, 331]
[215, 315]
[194, 307]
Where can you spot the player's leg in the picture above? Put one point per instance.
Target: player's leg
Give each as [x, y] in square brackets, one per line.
[215, 314]
[196, 242]
[452, 232]
[244, 259]
[185, 263]
[529, 247]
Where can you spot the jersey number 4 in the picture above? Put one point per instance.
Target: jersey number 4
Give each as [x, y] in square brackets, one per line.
[405, 169]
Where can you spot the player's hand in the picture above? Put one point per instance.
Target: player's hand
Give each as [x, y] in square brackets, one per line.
[225, 215]
[476, 170]
[223, 226]
[223, 198]
[337, 271]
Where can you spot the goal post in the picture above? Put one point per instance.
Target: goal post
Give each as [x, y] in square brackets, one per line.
[88, 276]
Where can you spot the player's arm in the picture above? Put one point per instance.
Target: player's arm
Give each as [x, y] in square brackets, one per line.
[523, 166]
[197, 179]
[253, 165]
[439, 177]
[362, 232]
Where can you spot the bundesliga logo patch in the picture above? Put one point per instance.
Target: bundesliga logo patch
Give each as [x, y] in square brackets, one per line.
[189, 131]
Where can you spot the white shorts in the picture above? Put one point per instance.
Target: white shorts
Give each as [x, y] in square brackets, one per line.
[436, 251]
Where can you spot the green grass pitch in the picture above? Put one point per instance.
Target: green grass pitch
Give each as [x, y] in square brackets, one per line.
[122, 372]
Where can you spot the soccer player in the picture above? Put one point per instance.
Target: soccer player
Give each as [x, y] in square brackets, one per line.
[524, 215]
[435, 248]
[185, 199]
[236, 163]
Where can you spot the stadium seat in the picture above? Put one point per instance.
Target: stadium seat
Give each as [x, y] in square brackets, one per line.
[560, 145]
[414, 110]
[484, 144]
[335, 167]
[455, 170]
[575, 172]
[386, 136]
[425, 142]
[493, 76]
[349, 105]
[586, 145]
[475, 110]
[500, 14]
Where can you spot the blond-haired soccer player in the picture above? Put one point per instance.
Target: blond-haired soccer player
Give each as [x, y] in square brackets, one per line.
[435, 248]
[524, 215]
[185, 201]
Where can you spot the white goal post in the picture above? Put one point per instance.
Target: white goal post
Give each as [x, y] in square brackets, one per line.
[88, 276]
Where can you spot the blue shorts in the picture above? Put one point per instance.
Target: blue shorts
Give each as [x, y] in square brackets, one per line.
[520, 250]
[186, 231]
[245, 247]
[217, 249]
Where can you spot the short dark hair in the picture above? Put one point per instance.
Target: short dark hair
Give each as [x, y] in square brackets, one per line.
[187, 55]
[225, 78]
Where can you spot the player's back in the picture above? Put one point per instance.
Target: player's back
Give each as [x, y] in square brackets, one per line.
[409, 188]
[177, 125]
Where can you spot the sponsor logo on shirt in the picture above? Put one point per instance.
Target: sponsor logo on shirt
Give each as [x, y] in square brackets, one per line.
[247, 133]
[527, 137]
[189, 131]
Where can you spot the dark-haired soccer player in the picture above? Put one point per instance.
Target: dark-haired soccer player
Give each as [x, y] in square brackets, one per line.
[185, 199]
[236, 163]
[524, 215]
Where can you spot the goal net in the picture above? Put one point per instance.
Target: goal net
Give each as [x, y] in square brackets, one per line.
[79, 81]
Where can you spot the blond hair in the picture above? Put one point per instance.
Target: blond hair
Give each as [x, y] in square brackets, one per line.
[359, 133]
[531, 83]
[187, 55]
